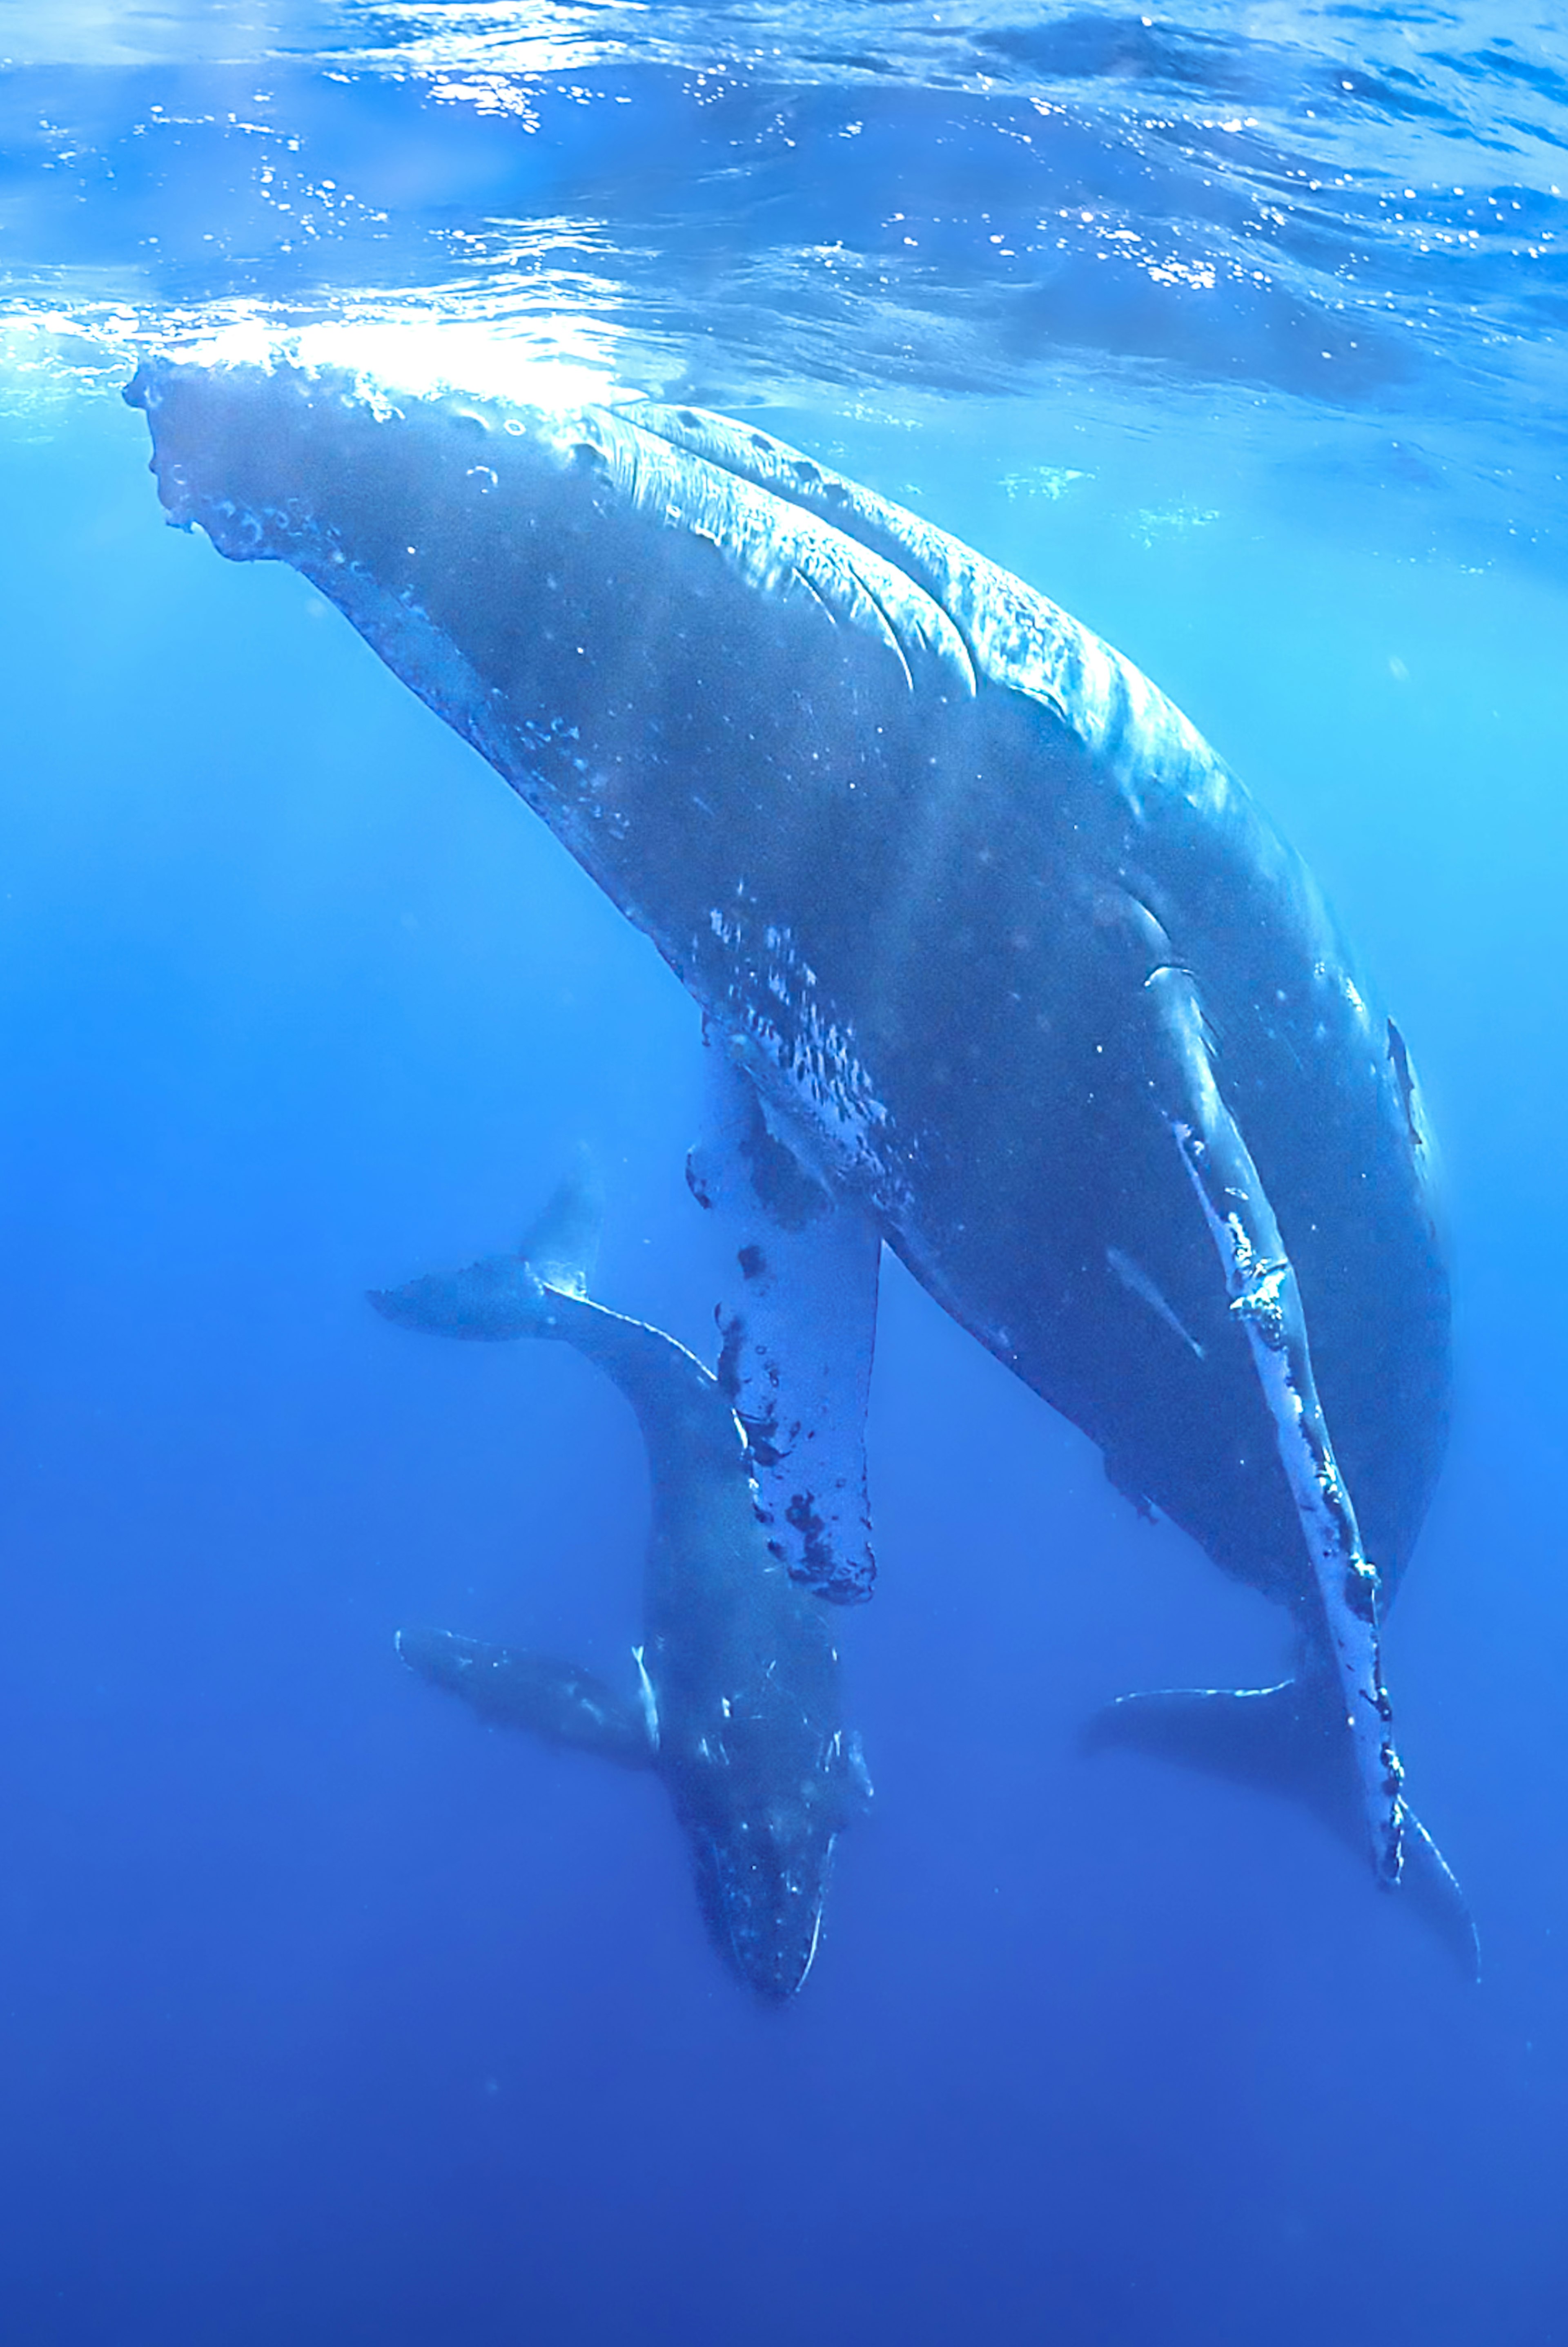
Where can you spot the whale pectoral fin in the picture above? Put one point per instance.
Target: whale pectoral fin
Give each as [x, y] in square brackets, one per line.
[1261, 1284]
[798, 1320]
[1430, 1885]
[1287, 1739]
[512, 1688]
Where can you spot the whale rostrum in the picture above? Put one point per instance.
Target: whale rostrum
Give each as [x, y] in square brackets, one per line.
[999, 964]
[736, 1707]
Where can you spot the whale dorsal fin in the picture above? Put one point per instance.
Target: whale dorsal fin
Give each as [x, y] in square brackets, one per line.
[512, 1687]
[561, 1247]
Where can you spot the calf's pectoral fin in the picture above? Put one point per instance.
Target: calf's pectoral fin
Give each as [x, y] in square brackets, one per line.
[1287, 1739]
[512, 1687]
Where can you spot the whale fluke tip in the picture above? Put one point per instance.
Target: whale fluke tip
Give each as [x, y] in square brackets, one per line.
[561, 1245]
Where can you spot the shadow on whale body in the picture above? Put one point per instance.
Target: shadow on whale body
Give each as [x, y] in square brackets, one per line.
[1002, 965]
[738, 1706]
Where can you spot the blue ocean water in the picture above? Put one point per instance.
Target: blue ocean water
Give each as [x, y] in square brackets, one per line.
[325, 2016]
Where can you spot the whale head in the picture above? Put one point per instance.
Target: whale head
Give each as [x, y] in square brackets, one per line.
[763, 1867]
[762, 1889]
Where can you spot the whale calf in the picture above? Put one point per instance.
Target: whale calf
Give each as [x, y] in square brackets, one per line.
[999, 964]
[737, 1710]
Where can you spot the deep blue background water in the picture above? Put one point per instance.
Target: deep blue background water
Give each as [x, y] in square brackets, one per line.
[325, 2016]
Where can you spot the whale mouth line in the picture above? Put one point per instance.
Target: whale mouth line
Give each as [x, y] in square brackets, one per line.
[772, 1984]
[811, 1951]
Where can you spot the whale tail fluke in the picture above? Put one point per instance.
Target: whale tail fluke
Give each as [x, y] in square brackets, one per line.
[561, 1245]
[509, 1687]
[1287, 1739]
[504, 1297]
[493, 1301]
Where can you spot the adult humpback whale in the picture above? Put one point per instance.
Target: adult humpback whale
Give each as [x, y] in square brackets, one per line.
[999, 962]
[739, 1710]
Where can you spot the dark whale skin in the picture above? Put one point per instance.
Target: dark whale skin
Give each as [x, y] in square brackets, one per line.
[918, 843]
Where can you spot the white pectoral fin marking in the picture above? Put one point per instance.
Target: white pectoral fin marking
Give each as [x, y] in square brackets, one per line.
[650, 1699]
[1264, 1296]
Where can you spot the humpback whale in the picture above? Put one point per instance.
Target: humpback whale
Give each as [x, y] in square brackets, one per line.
[1000, 965]
[737, 1710]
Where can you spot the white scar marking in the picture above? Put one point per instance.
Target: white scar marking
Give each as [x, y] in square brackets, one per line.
[650, 1699]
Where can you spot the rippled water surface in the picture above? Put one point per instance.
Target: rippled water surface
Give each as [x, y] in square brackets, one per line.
[1350, 212]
